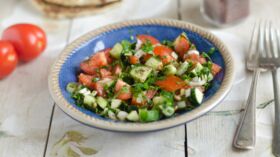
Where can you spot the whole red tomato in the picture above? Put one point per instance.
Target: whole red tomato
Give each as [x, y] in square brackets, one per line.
[29, 40]
[8, 58]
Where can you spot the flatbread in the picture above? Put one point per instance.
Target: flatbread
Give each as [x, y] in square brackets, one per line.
[75, 3]
[59, 11]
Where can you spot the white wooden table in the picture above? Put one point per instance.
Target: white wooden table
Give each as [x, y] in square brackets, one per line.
[31, 125]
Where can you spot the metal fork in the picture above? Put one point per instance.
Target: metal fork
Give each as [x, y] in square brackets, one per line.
[245, 136]
[270, 60]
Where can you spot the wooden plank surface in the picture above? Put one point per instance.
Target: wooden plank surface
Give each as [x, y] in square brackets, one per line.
[103, 143]
[24, 100]
[212, 134]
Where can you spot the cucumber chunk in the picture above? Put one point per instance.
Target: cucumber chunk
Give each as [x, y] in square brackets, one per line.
[133, 116]
[196, 96]
[116, 51]
[122, 115]
[140, 73]
[71, 87]
[112, 115]
[181, 104]
[183, 68]
[169, 69]
[89, 100]
[102, 102]
[148, 115]
[115, 103]
[158, 100]
[154, 63]
[197, 69]
[167, 110]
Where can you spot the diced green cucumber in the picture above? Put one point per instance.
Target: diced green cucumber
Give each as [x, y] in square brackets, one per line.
[208, 77]
[181, 104]
[169, 69]
[115, 103]
[188, 92]
[105, 111]
[71, 87]
[196, 96]
[112, 115]
[154, 63]
[133, 116]
[93, 93]
[157, 100]
[183, 68]
[167, 110]
[140, 73]
[116, 51]
[148, 115]
[89, 100]
[122, 115]
[197, 69]
[101, 102]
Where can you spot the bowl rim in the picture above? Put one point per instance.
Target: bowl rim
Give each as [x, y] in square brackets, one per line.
[55, 91]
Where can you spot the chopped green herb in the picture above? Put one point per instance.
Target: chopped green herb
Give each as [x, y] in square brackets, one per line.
[147, 46]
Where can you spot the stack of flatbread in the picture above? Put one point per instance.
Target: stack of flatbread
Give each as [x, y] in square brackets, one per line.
[73, 8]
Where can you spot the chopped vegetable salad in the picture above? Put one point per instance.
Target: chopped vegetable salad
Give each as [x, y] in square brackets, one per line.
[144, 81]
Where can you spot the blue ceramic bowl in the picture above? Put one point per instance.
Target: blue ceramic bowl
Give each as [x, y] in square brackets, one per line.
[66, 68]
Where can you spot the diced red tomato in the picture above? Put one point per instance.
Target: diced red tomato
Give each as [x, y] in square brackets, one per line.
[105, 73]
[133, 60]
[181, 45]
[164, 53]
[99, 87]
[108, 56]
[215, 69]
[96, 61]
[123, 94]
[99, 59]
[86, 80]
[88, 68]
[171, 83]
[147, 56]
[151, 93]
[117, 70]
[144, 38]
[196, 58]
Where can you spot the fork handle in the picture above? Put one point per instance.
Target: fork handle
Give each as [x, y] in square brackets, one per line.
[246, 133]
[276, 136]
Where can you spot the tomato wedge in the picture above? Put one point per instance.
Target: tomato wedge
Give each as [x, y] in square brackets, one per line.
[117, 70]
[144, 38]
[171, 83]
[86, 80]
[99, 87]
[151, 93]
[181, 45]
[96, 61]
[215, 69]
[105, 73]
[164, 53]
[123, 93]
